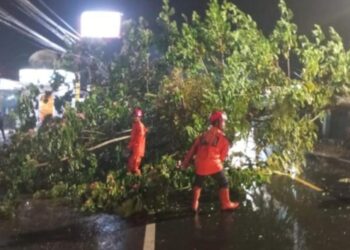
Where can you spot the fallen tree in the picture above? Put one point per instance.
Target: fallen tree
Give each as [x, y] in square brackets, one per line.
[219, 61]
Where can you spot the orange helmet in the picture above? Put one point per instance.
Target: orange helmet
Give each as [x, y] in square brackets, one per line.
[137, 112]
[217, 116]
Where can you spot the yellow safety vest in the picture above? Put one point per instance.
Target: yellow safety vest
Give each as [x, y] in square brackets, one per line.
[46, 108]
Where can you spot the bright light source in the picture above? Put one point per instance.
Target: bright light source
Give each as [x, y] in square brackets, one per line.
[100, 24]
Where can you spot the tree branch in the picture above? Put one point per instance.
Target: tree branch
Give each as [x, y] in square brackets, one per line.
[106, 143]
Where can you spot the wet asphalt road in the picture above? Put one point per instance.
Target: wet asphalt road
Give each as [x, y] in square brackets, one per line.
[280, 215]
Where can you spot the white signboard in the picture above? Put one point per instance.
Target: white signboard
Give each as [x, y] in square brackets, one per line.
[7, 84]
[42, 77]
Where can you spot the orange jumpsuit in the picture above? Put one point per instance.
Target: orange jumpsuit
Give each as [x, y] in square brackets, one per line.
[137, 145]
[210, 151]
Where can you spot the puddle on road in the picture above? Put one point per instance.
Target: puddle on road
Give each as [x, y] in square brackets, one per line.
[280, 215]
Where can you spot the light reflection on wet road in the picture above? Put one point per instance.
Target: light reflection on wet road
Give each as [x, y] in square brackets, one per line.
[280, 215]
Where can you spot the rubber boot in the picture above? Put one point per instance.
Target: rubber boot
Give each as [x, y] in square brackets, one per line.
[226, 203]
[137, 172]
[196, 194]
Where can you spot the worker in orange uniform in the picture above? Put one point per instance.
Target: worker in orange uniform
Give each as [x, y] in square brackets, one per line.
[210, 150]
[137, 142]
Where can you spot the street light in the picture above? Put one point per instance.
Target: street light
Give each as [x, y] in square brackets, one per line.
[100, 24]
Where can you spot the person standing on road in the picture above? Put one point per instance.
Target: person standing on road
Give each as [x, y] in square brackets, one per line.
[210, 150]
[46, 106]
[2, 126]
[137, 142]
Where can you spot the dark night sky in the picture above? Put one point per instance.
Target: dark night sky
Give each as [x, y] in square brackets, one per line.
[15, 49]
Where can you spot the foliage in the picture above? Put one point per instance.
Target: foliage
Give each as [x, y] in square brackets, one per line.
[273, 86]
[127, 194]
[27, 103]
[251, 82]
[178, 98]
[134, 70]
